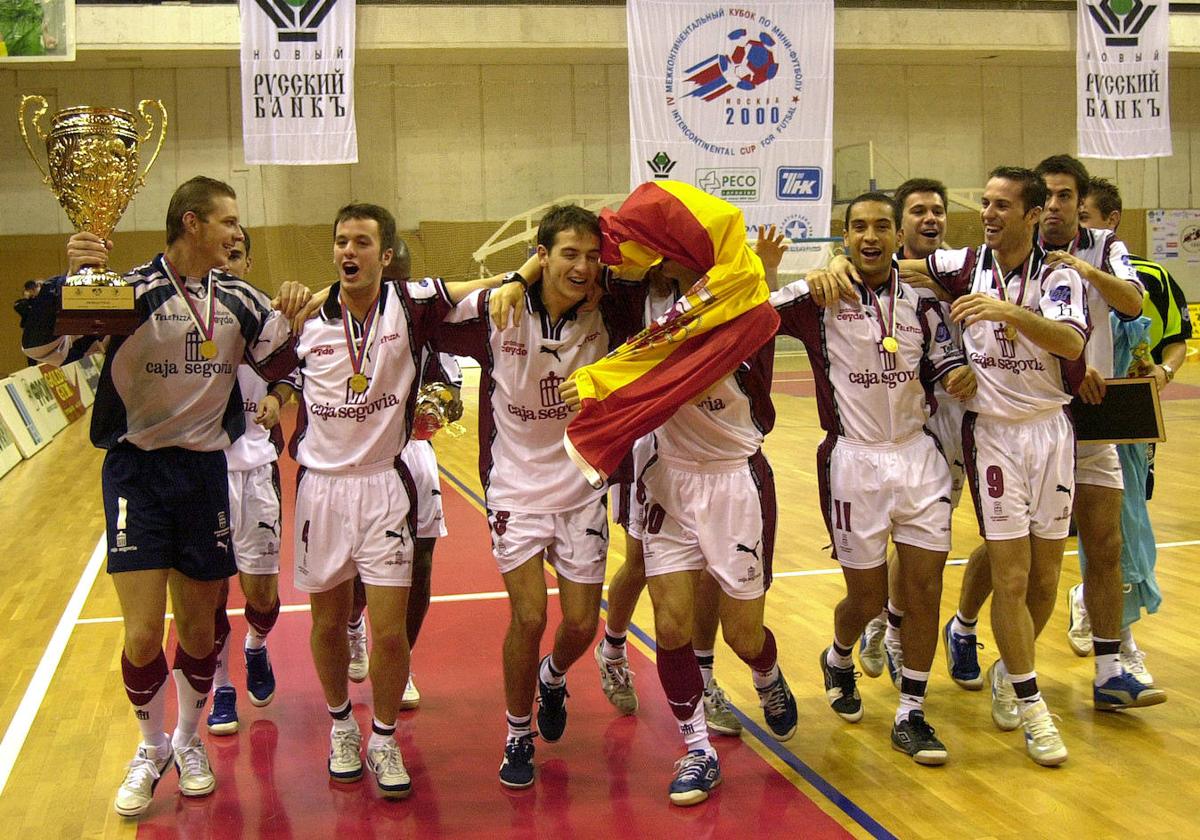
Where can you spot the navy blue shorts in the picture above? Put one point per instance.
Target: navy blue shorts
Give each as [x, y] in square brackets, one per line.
[167, 509]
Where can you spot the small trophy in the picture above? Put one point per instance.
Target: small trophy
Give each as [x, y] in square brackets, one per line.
[92, 163]
[437, 408]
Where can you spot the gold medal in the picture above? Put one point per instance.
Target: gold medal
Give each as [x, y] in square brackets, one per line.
[890, 344]
[1010, 332]
[208, 349]
[358, 383]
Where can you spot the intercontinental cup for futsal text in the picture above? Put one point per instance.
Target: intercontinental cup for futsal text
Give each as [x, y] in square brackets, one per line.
[93, 157]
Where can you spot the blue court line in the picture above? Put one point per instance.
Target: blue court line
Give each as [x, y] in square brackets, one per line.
[835, 796]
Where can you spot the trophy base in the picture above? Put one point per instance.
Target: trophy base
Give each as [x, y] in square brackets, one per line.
[96, 310]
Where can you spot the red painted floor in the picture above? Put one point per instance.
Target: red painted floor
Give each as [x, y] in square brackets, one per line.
[607, 777]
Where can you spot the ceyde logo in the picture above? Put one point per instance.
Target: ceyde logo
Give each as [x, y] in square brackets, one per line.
[1121, 20]
[798, 183]
[739, 184]
[661, 165]
[296, 20]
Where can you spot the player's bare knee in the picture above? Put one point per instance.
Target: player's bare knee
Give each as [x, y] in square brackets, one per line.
[746, 642]
[528, 620]
[142, 644]
[389, 642]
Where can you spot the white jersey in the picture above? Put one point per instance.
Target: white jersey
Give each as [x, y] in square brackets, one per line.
[864, 392]
[157, 389]
[257, 446]
[522, 462]
[339, 430]
[1016, 379]
[1102, 249]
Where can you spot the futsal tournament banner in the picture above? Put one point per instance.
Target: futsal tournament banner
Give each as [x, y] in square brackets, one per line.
[298, 81]
[1121, 65]
[737, 100]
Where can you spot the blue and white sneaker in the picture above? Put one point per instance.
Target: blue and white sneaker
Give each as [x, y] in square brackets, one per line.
[870, 647]
[1125, 692]
[516, 770]
[696, 774]
[223, 718]
[779, 709]
[961, 658]
[260, 679]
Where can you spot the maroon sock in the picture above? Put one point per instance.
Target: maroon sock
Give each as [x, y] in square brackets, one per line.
[142, 682]
[198, 672]
[262, 622]
[222, 628]
[767, 657]
[681, 680]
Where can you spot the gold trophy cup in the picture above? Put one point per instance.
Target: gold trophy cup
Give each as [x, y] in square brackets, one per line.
[437, 408]
[92, 162]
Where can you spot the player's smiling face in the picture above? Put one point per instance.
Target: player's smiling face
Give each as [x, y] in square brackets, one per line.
[922, 224]
[1006, 222]
[571, 265]
[870, 238]
[357, 255]
[218, 233]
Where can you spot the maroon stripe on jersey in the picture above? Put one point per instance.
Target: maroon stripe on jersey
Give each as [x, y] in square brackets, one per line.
[969, 454]
[755, 383]
[301, 428]
[804, 320]
[487, 419]
[764, 481]
[824, 493]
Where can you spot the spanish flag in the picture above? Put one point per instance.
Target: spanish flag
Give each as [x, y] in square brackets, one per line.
[722, 320]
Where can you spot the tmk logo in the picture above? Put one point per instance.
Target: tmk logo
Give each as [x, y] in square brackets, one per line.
[798, 183]
[297, 20]
[1121, 20]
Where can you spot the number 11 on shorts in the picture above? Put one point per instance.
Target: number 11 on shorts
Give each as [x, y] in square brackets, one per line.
[841, 515]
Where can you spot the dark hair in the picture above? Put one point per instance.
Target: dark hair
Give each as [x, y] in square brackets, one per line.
[30, 284]
[246, 240]
[882, 198]
[385, 220]
[917, 185]
[1033, 188]
[1066, 165]
[194, 195]
[401, 267]
[1105, 195]
[562, 217]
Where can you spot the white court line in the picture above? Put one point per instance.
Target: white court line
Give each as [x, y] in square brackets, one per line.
[18, 727]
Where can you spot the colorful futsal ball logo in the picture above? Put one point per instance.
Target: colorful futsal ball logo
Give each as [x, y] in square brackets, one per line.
[750, 63]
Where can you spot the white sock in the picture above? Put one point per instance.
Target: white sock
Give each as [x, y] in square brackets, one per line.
[519, 726]
[221, 672]
[764, 679]
[695, 732]
[1128, 645]
[255, 641]
[191, 704]
[550, 674]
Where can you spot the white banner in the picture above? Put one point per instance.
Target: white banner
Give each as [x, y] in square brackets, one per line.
[1121, 63]
[737, 101]
[298, 81]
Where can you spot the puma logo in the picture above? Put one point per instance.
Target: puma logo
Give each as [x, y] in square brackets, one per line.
[271, 528]
[397, 535]
[748, 550]
[1061, 489]
[552, 351]
[602, 533]
[945, 499]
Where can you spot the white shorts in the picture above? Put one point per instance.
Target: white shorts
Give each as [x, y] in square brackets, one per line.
[718, 516]
[422, 465]
[870, 491]
[354, 523]
[254, 518]
[575, 541]
[1097, 464]
[946, 425]
[1022, 475]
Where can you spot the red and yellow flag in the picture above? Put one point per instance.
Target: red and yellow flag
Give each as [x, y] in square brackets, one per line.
[722, 320]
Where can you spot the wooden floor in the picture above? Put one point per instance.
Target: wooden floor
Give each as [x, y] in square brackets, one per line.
[1129, 774]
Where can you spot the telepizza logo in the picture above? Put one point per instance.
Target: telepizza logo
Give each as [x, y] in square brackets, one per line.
[1121, 20]
[297, 20]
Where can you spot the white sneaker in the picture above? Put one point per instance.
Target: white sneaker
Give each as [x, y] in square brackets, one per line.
[360, 661]
[136, 792]
[345, 764]
[1079, 626]
[195, 775]
[411, 697]
[1006, 712]
[616, 681]
[718, 714]
[1042, 741]
[1135, 663]
[870, 647]
[894, 656]
[387, 765]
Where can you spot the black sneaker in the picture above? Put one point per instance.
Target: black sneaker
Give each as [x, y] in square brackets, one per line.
[841, 691]
[552, 709]
[779, 709]
[516, 771]
[914, 737]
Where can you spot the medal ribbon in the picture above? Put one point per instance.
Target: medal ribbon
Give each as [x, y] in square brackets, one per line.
[206, 331]
[358, 353]
[1002, 286]
[888, 331]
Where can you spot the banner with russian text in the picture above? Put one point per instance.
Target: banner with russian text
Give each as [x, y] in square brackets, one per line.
[298, 81]
[1121, 66]
[738, 101]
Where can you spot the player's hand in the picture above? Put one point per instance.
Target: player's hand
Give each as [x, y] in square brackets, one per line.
[508, 299]
[591, 301]
[1065, 259]
[1093, 386]
[960, 383]
[454, 408]
[921, 280]
[770, 247]
[971, 309]
[1160, 377]
[310, 309]
[267, 415]
[827, 288]
[84, 248]
[569, 392]
[847, 275]
[291, 299]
